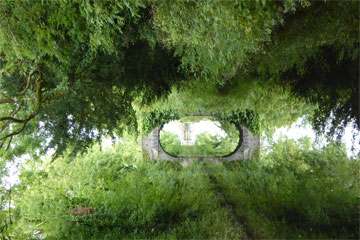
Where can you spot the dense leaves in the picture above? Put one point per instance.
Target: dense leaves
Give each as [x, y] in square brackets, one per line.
[316, 52]
[76, 69]
[205, 145]
[113, 194]
[72, 71]
[333, 85]
[293, 192]
[216, 38]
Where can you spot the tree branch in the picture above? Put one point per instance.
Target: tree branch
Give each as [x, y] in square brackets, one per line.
[12, 119]
[8, 146]
[67, 197]
[29, 80]
[12, 115]
[7, 100]
[10, 222]
[29, 117]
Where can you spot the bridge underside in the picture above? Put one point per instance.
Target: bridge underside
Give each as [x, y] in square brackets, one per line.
[248, 148]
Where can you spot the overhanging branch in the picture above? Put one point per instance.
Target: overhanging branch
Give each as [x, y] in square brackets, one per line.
[12, 115]
[7, 100]
[12, 119]
[29, 80]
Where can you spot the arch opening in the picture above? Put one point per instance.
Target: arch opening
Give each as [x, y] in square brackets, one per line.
[199, 136]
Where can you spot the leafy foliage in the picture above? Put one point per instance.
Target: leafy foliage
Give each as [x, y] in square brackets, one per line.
[74, 67]
[337, 100]
[205, 145]
[107, 195]
[215, 39]
[77, 69]
[171, 143]
[150, 120]
[214, 145]
[257, 106]
[293, 192]
[316, 52]
[247, 119]
[73, 71]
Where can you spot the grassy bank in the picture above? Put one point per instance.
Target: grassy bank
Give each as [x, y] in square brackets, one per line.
[293, 192]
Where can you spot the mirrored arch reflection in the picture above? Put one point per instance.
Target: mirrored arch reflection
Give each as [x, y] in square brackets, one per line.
[199, 137]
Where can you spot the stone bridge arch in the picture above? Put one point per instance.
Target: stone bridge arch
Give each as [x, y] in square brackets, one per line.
[248, 147]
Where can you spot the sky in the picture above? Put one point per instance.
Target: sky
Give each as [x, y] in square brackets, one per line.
[298, 130]
[196, 128]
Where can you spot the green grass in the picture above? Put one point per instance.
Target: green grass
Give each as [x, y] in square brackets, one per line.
[292, 193]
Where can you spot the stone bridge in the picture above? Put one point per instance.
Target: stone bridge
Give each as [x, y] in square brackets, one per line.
[248, 147]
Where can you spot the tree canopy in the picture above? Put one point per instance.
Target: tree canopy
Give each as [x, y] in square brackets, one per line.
[72, 71]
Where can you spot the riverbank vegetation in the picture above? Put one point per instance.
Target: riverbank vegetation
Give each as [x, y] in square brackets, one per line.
[292, 192]
[75, 71]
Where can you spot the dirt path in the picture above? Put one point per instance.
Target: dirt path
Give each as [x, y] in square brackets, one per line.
[226, 204]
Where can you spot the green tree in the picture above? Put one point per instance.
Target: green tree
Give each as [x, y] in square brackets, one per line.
[72, 71]
[209, 145]
[170, 142]
[316, 53]
[69, 69]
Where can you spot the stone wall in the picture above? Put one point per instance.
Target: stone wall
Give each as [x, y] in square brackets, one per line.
[248, 148]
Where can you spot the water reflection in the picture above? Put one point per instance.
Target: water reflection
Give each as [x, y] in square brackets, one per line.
[199, 137]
